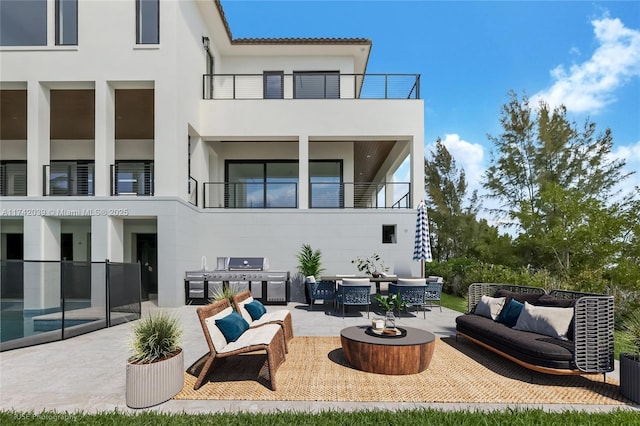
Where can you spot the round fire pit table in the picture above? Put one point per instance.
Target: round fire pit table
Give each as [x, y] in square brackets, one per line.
[406, 354]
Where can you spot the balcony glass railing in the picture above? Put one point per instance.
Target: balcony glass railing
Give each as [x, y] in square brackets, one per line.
[311, 86]
[322, 195]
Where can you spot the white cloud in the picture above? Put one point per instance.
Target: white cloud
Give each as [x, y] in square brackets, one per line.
[589, 86]
[469, 156]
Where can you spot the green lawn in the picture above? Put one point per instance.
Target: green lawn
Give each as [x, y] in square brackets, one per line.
[405, 417]
[454, 302]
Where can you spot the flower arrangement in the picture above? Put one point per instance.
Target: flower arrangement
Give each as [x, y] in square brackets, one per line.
[372, 265]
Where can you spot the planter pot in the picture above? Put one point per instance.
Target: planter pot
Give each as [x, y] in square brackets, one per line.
[155, 383]
[630, 377]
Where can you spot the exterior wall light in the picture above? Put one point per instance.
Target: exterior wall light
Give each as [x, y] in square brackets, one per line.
[205, 42]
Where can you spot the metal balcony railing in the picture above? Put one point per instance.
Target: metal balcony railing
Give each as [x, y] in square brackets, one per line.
[132, 178]
[13, 179]
[322, 195]
[311, 86]
[68, 178]
[360, 195]
[192, 191]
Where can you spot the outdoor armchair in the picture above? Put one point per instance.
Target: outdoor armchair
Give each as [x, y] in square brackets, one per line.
[282, 317]
[269, 338]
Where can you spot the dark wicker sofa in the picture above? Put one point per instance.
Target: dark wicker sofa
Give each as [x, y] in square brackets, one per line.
[588, 347]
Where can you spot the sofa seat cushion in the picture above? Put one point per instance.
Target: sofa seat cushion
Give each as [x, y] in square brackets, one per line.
[532, 348]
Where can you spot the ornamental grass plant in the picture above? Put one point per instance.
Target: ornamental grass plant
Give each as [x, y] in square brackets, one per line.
[155, 337]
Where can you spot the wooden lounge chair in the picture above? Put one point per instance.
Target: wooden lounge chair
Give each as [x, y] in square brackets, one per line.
[281, 317]
[268, 337]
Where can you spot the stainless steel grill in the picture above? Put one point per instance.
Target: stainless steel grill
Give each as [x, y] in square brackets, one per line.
[238, 274]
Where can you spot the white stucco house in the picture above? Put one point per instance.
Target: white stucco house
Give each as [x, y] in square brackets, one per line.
[142, 130]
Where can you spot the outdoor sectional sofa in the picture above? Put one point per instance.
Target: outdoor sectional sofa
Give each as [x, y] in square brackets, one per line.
[575, 340]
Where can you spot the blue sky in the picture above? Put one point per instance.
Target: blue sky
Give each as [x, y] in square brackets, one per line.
[583, 54]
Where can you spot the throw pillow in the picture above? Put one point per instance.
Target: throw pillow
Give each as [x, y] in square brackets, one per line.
[489, 307]
[232, 326]
[510, 313]
[256, 309]
[545, 320]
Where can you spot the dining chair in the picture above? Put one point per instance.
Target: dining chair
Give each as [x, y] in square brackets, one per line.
[354, 291]
[321, 290]
[434, 291]
[412, 291]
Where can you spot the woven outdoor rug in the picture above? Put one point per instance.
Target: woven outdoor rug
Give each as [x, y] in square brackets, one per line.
[460, 372]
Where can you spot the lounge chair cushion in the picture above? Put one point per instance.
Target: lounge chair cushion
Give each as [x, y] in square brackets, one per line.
[252, 337]
[217, 338]
[255, 309]
[490, 307]
[510, 313]
[232, 326]
[550, 321]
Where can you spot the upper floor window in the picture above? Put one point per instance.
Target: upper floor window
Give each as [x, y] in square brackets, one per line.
[147, 21]
[132, 177]
[13, 178]
[71, 177]
[66, 22]
[273, 85]
[316, 85]
[23, 23]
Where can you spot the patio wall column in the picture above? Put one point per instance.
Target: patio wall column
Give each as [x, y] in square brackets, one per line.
[417, 170]
[107, 238]
[107, 242]
[41, 280]
[303, 172]
[38, 124]
[105, 142]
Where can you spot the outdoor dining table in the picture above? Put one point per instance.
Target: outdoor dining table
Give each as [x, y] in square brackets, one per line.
[376, 280]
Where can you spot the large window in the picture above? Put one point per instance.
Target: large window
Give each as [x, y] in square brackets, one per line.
[23, 23]
[71, 178]
[325, 184]
[147, 21]
[316, 85]
[133, 178]
[13, 178]
[261, 184]
[66, 22]
[273, 85]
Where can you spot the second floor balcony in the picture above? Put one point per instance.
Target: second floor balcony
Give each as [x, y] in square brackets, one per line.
[310, 85]
[328, 195]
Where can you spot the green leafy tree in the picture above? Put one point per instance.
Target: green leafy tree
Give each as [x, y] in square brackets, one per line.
[450, 218]
[556, 182]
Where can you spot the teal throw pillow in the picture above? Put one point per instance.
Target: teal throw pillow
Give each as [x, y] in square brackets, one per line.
[232, 326]
[510, 313]
[255, 309]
